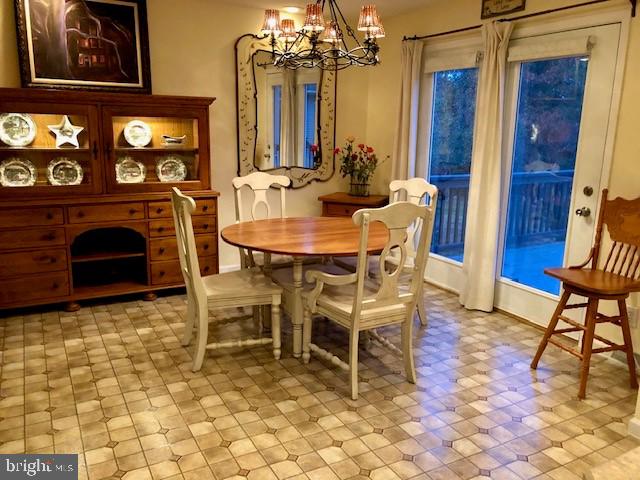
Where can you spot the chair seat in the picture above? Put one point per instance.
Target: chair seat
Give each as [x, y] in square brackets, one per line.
[339, 301]
[239, 284]
[597, 282]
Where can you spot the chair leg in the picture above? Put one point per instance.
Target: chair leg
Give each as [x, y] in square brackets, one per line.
[407, 349]
[306, 335]
[188, 327]
[203, 333]
[353, 362]
[628, 343]
[275, 328]
[587, 345]
[422, 312]
[551, 328]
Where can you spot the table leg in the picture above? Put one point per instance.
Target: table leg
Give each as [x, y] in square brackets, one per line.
[297, 307]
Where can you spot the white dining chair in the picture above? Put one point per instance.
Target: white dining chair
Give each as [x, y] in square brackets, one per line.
[247, 287]
[417, 191]
[259, 184]
[358, 304]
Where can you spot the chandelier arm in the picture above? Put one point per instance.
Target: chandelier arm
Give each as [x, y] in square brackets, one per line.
[350, 31]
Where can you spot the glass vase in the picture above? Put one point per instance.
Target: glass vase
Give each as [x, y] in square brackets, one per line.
[359, 189]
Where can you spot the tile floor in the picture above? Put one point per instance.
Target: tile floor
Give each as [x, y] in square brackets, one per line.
[113, 383]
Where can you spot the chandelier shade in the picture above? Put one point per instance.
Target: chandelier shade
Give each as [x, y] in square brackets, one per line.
[271, 25]
[326, 40]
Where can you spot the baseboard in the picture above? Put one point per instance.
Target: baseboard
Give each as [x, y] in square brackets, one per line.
[229, 268]
[634, 427]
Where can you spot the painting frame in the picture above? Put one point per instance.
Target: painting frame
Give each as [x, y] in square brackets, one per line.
[138, 61]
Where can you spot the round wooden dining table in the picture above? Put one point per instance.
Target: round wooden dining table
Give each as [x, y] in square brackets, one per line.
[303, 237]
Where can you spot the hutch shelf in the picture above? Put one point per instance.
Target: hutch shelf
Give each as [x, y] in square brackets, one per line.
[94, 220]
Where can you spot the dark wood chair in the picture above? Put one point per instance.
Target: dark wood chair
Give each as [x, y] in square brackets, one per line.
[617, 278]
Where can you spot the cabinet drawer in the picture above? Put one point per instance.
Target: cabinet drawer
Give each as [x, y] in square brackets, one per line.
[21, 290]
[31, 217]
[164, 210]
[42, 237]
[168, 273]
[165, 228]
[341, 210]
[106, 213]
[167, 248]
[39, 261]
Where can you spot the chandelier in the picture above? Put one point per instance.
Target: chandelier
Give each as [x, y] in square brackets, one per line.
[326, 40]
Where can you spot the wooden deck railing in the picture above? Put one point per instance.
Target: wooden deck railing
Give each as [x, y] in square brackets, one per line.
[539, 209]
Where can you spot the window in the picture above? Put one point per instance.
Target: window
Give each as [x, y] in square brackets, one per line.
[309, 137]
[450, 146]
[277, 123]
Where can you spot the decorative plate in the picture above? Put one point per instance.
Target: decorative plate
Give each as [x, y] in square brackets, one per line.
[17, 129]
[171, 169]
[17, 172]
[130, 171]
[64, 171]
[137, 133]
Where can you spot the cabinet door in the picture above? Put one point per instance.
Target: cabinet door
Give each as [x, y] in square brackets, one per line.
[49, 149]
[154, 149]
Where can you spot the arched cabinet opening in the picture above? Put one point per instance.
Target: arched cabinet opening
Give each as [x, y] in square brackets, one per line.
[109, 259]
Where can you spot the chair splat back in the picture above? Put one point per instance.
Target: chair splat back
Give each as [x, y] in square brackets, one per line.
[397, 217]
[259, 183]
[183, 207]
[622, 219]
[419, 192]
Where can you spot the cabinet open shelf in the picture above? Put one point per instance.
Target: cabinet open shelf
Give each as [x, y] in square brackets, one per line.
[43, 149]
[104, 255]
[117, 288]
[158, 149]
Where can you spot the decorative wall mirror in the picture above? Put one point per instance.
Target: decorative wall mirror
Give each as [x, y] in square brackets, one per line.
[286, 118]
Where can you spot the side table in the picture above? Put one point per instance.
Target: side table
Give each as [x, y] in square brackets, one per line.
[341, 204]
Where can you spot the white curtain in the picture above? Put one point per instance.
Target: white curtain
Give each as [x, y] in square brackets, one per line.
[405, 148]
[288, 127]
[483, 217]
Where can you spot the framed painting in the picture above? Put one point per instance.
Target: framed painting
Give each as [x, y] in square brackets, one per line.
[84, 44]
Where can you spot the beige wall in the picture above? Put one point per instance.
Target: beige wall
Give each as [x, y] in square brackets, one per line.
[191, 43]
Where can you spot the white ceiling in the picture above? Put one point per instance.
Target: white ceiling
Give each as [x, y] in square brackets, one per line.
[349, 7]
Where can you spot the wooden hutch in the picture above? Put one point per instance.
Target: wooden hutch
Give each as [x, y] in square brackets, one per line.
[107, 234]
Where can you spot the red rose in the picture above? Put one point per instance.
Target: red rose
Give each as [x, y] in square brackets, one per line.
[337, 151]
[314, 148]
[369, 149]
[361, 146]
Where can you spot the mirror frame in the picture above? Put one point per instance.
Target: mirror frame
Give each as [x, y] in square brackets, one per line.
[247, 111]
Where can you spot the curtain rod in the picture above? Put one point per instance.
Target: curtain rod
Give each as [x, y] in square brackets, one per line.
[520, 17]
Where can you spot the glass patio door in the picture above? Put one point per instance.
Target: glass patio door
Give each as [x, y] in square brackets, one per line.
[558, 111]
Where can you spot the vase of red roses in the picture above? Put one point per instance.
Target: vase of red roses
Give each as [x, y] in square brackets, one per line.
[359, 162]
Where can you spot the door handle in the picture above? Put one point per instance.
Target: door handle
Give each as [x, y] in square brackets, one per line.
[583, 212]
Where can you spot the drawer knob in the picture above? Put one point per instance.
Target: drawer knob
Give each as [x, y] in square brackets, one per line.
[206, 226]
[159, 210]
[206, 246]
[80, 214]
[206, 269]
[205, 208]
[55, 286]
[132, 211]
[162, 273]
[161, 229]
[161, 250]
[49, 237]
[49, 216]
